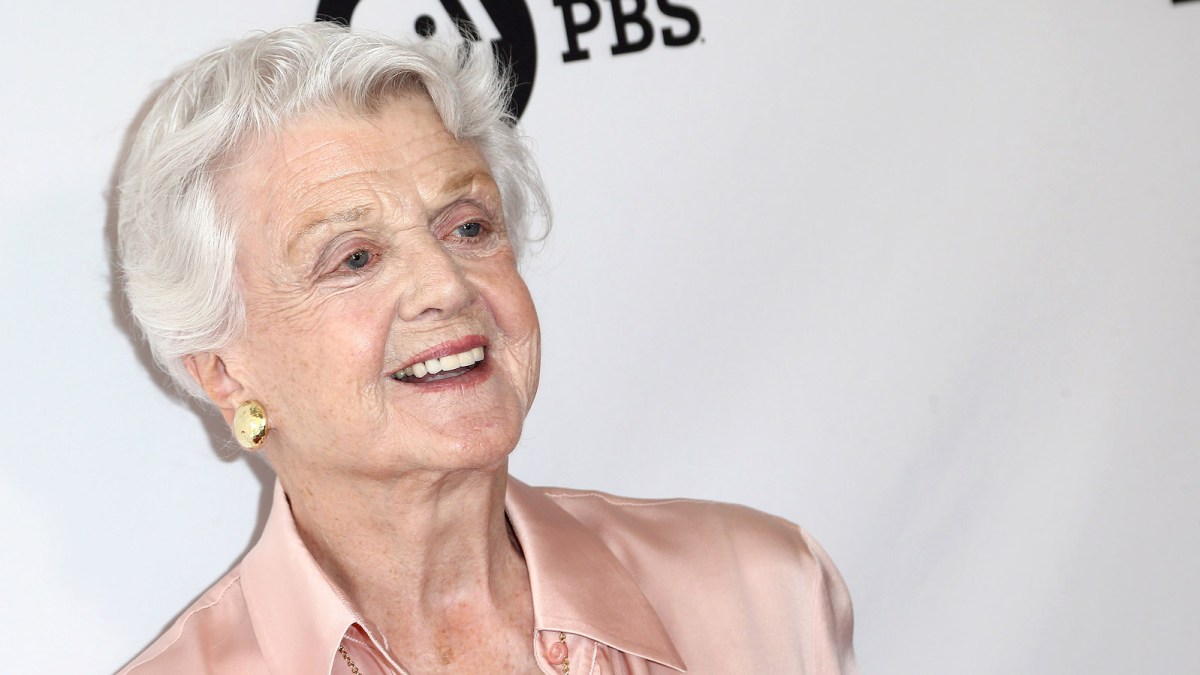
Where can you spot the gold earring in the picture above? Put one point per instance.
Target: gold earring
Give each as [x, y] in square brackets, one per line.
[250, 424]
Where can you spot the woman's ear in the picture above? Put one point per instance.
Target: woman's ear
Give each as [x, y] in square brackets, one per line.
[209, 371]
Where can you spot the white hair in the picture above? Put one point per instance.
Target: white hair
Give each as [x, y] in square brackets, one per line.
[176, 243]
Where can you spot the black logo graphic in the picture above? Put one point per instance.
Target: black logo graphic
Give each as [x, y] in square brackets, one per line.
[516, 45]
[626, 18]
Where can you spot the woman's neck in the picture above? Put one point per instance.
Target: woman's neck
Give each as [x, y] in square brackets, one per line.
[423, 557]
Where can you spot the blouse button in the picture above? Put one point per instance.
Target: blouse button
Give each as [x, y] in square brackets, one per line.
[557, 653]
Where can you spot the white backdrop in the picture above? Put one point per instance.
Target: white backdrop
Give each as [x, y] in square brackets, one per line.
[922, 276]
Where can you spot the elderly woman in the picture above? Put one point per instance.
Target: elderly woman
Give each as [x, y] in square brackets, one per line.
[319, 232]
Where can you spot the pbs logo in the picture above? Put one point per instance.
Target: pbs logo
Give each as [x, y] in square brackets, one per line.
[504, 24]
[628, 26]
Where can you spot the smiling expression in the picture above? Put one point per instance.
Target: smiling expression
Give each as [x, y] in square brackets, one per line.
[387, 327]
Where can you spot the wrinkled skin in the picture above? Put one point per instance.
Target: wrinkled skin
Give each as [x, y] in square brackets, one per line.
[363, 242]
[366, 244]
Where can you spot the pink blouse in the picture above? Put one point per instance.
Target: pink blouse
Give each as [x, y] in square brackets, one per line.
[639, 587]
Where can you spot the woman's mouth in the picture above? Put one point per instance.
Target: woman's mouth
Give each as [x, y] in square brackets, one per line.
[443, 368]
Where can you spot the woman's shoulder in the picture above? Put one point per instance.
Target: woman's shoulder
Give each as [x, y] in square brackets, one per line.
[714, 537]
[683, 521]
[717, 569]
[218, 616]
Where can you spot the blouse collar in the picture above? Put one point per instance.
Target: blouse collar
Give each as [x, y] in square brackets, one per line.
[578, 587]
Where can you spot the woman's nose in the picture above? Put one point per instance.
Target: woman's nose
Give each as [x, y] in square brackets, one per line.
[436, 285]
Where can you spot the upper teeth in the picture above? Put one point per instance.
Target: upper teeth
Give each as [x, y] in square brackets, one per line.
[434, 366]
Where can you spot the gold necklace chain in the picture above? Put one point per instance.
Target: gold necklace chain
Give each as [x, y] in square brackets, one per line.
[349, 661]
[562, 639]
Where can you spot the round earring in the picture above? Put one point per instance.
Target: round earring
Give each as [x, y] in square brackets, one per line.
[250, 424]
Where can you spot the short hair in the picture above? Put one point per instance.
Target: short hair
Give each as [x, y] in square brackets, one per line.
[176, 244]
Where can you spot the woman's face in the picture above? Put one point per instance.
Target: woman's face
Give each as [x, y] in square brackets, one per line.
[372, 252]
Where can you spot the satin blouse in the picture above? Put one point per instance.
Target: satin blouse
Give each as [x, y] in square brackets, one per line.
[639, 587]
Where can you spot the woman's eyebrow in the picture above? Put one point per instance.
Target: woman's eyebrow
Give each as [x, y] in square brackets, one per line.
[461, 186]
[462, 182]
[315, 226]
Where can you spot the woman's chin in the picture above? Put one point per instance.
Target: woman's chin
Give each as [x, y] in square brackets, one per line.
[481, 448]
[478, 439]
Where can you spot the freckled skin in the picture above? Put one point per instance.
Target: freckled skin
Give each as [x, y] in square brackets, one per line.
[321, 342]
[397, 490]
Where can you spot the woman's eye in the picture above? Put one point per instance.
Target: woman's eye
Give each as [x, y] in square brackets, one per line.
[357, 260]
[469, 230]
